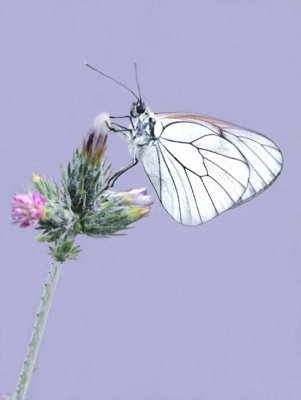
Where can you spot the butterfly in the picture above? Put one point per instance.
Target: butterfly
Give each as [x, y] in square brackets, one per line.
[199, 166]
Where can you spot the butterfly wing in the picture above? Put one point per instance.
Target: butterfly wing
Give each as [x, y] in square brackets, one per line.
[262, 155]
[201, 166]
[196, 172]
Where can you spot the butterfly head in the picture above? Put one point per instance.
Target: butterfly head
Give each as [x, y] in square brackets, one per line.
[138, 109]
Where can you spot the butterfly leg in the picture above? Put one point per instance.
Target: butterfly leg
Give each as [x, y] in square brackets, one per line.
[123, 129]
[124, 116]
[113, 178]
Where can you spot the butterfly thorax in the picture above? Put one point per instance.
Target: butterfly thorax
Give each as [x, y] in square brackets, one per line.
[142, 127]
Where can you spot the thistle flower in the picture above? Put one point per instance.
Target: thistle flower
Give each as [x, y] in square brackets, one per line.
[82, 204]
[94, 145]
[27, 209]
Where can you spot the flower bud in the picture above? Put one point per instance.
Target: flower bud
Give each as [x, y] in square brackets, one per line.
[35, 177]
[137, 197]
[135, 213]
[139, 203]
[94, 145]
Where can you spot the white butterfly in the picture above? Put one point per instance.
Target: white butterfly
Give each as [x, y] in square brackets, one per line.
[199, 166]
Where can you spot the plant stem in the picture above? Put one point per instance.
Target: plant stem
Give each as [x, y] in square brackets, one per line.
[38, 330]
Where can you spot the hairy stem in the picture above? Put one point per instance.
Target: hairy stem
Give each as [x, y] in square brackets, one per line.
[38, 330]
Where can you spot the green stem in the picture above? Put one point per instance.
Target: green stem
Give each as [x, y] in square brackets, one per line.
[38, 330]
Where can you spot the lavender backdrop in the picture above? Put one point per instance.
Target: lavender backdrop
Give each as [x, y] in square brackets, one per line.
[167, 312]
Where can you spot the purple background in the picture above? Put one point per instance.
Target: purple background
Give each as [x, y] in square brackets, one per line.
[167, 312]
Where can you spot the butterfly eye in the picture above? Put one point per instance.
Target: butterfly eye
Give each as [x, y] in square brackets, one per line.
[140, 108]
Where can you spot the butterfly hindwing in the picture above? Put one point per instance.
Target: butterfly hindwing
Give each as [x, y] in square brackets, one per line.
[262, 155]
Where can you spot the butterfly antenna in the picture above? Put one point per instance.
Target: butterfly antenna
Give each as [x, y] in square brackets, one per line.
[110, 77]
[136, 75]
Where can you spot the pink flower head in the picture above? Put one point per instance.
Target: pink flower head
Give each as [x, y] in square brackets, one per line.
[27, 209]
